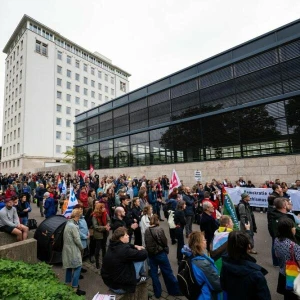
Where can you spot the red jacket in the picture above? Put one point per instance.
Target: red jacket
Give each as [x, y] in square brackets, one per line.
[83, 197]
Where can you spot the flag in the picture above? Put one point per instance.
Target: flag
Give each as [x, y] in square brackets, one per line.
[174, 182]
[80, 173]
[91, 169]
[229, 210]
[64, 188]
[72, 202]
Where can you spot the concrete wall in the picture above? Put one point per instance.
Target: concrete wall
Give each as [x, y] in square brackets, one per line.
[259, 169]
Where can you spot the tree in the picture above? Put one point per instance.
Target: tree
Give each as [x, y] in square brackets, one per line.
[69, 155]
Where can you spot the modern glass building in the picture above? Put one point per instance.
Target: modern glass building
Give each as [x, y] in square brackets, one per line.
[244, 102]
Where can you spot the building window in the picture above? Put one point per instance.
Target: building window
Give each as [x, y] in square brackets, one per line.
[100, 97]
[59, 55]
[99, 86]
[77, 77]
[112, 91]
[85, 80]
[112, 80]
[58, 95]
[85, 91]
[85, 103]
[106, 89]
[92, 83]
[68, 123]
[18, 163]
[44, 49]
[14, 149]
[19, 117]
[77, 100]
[77, 64]
[58, 81]
[69, 59]
[106, 77]
[77, 88]
[37, 46]
[99, 74]
[58, 121]
[68, 136]
[93, 104]
[69, 73]
[93, 71]
[58, 148]
[20, 74]
[68, 110]
[17, 78]
[18, 148]
[58, 107]
[93, 94]
[123, 86]
[85, 67]
[19, 132]
[68, 97]
[58, 135]
[77, 112]
[20, 88]
[68, 85]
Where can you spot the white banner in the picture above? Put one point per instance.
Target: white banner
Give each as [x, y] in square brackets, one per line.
[259, 197]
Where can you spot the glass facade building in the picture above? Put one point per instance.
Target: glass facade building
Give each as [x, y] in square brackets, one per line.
[244, 102]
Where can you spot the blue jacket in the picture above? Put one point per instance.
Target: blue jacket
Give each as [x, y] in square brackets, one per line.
[152, 198]
[206, 274]
[49, 206]
[244, 279]
[189, 201]
[83, 231]
[173, 203]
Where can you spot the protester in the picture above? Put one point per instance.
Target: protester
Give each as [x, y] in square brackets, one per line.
[286, 249]
[241, 277]
[157, 247]
[189, 209]
[122, 263]
[136, 215]
[145, 221]
[71, 253]
[49, 206]
[179, 220]
[23, 209]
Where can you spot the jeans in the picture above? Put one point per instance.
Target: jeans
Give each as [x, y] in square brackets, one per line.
[188, 226]
[180, 242]
[161, 260]
[73, 278]
[274, 257]
[166, 194]
[24, 221]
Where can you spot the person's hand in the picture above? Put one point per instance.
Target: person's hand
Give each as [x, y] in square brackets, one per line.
[134, 226]
[107, 227]
[139, 247]
[247, 226]
[135, 221]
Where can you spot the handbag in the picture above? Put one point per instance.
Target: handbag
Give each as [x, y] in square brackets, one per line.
[32, 224]
[165, 248]
[291, 269]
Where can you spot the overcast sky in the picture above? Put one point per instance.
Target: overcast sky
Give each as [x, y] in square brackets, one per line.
[149, 39]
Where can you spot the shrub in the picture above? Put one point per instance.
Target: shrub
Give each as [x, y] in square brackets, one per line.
[23, 281]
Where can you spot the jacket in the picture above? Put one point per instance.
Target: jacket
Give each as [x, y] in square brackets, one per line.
[49, 206]
[83, 231]
[71, 253]
[155, 240]
[244, 279]
[209, 225]
[179, 218]
[116, 223]
[206, 275]
[20, 209]
[99, 229]
[118, 270]
[189, 201]
[246, 215]
[273, 217]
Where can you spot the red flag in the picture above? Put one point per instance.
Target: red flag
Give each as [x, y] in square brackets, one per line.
[174, 182]
[80, 173]
[91, 169]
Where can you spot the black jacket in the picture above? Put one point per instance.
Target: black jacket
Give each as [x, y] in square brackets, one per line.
[209, 225]
[244, 279]
[179, 218]
[118, 270]
[273, 217]
[116, 223]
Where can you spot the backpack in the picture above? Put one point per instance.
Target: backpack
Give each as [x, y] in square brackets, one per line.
[166, 208]
[187, 281]
[32, 224]
[58, 238]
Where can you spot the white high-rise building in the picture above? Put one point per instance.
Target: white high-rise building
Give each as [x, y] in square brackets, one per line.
[49, 80]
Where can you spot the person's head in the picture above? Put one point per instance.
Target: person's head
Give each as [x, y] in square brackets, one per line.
[286, 229]
[197, 243]
[225, 221]
[187, 189]
[79, 206]
[47, 195]
[284, 187]
[238, 245]
[91, 193]
[136, 202]
[23, 198]
[142, 193]
[245, 197]
[124, 200]
[277, 181]
[206, 195]
[120, 234]
[119, 212]
[9, 203]
[297, 183]
[207, 207]
[147, 210]
[281, 204]
[99, 208]
[76, 213]
[154, 220]
[277, 188]
[180, 205]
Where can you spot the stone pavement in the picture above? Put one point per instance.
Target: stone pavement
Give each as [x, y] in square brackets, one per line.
[92, 281]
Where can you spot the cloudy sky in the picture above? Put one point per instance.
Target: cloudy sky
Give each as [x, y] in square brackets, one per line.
[149, 39]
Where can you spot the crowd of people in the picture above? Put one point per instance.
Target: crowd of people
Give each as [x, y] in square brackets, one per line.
[132, 209]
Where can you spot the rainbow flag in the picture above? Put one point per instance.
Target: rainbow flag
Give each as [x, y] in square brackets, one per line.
[291, 272]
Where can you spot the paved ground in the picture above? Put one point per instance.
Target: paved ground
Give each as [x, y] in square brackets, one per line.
[92, 282]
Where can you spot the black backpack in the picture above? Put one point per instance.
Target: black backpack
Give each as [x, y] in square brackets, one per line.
[187, 281]
[58, 238]
[166, 208]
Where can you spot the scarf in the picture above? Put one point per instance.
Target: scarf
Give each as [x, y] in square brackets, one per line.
[101, 219]
[221, 237]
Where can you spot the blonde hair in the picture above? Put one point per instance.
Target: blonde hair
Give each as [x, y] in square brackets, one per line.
[195, 240]
[77, 212]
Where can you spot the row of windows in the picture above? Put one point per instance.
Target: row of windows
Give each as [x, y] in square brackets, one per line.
[10, 110]
[11, 150]
[41, 48]
[59, 122]
[9, 164]
[59, 135]
[12, 122]
[59, 95]
[14, 69]
[68, 109]
[11, 136]
[58, 149]
[12, 58]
